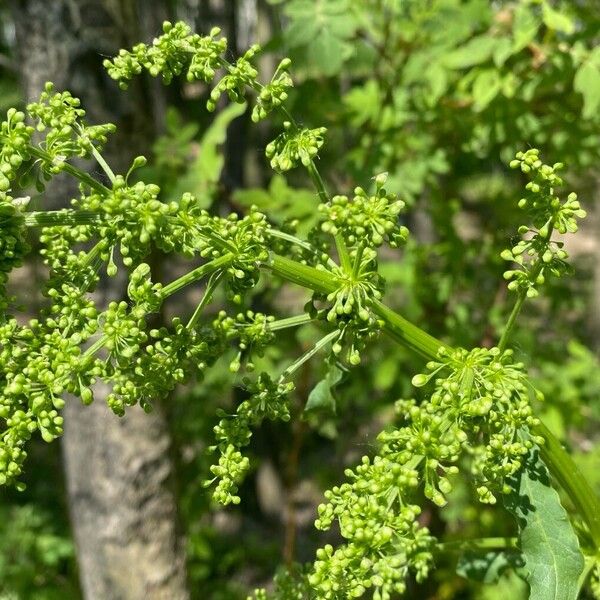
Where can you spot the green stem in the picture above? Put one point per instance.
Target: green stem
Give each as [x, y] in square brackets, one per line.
[69, 168]
[490, 543]
[65, 217]
[512, 319]
[296, 321]
[211, 286]
[310, 353]
[103, 164]
[199, 273]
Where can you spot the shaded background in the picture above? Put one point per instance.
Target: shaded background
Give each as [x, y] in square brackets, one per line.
[440, 94]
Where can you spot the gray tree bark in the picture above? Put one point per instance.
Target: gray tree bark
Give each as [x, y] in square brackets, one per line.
[118, 471]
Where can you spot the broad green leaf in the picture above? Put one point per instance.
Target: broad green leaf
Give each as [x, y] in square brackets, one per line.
[487, 567]
[205, 171]
[587, 83]
[474, 52]
[552, 559]
[283, 202]
[558, 21]
[485, 88]
[525, 27]
[321, 397]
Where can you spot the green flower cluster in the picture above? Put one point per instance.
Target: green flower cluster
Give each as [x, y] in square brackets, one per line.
[538, 255]
[15, 137]
[254, 335]
[13, 244]
[365, 219]
[268, 400]
[240, 75]
[294, 146]
[68, 135]
[484, 398]
[274, 93]
[479, 406]
[348, 306]
[170, 54]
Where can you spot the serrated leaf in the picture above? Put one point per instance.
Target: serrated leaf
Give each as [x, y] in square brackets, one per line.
[587, 83]
[549, 546]
[321, 397]
[487, 567]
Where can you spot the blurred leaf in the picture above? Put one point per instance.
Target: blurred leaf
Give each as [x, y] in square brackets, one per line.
[205, 171]
[525, 27]
[486, 567]
[587, 83]
[474, 52]
[556, 20]
[485, 88]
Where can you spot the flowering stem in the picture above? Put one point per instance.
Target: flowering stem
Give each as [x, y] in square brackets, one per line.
[201, 271]
[69, 168]
[559, 462]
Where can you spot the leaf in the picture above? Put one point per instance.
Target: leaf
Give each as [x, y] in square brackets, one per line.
[487, 567]
[205, 171]
[485, 88]
[525, 27]
[549, 546]
[474, 52]
[321, 397]
[556, 20]
[587, 83]
[284, 202]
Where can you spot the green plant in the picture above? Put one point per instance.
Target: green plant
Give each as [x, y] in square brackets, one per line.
[476, 412]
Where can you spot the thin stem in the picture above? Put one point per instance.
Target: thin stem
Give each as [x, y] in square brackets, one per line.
[357, 260]
[296, 321]
[319, 281]
[69, 168]
[491, 543]
[202, 271]
[103, 164]
[97, 345]
[211, 286]
[512, 319]
[310, 353]
[294, 240]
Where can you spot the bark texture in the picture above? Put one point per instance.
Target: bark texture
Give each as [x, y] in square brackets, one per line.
[117, 470]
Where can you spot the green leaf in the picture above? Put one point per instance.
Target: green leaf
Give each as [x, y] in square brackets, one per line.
[550, 548]
[321, 397]
[525, 27]
[587, 83]
[485, 88]
[205, 171]
[556, 20]
[474, 52]
[487, 567]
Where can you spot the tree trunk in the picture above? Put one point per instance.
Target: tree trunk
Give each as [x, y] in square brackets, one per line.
[117, 470]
